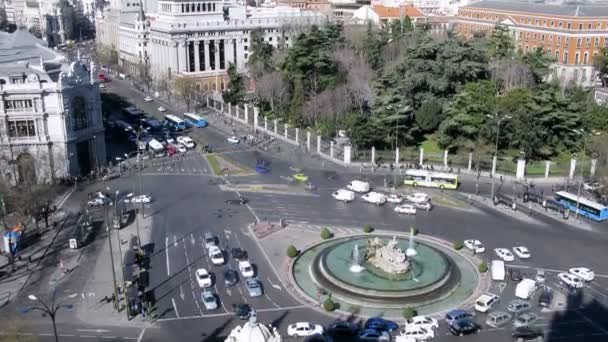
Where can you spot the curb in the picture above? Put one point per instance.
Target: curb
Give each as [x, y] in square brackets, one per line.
[299, 294]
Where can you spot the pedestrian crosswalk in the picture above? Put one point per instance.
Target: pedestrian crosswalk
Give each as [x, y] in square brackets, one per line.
[190, 164]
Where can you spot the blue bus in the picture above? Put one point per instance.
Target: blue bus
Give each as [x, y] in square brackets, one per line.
[175, 122]
[193, 120]
[584, 207]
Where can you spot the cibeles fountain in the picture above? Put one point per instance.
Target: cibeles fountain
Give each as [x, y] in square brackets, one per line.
[386, 272]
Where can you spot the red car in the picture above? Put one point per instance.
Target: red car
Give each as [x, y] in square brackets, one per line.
[171, 150]
[101, 77]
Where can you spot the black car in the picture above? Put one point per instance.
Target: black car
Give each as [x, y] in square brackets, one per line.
[230, 278]
[545, 298]
[464, 327]
[515, 274]
[238, 254]
[240, 200]
[527, 334]
[242, 311]
[341, 329]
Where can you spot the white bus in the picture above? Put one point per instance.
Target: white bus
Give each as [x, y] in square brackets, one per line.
[175, 122]
[431, 179]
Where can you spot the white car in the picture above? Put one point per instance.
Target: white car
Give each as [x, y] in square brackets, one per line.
[216, 255]
[475, 245]
[418, 197]
[417, 332]
[394, 198]
[423, 321]
[303, 329]
[233, 140]
[374, 197]
[343, 195]
[571, 280]
[423, 205]
[522, 252]
[101, 85]
[583, 273]
[181, 148]
[148, 99]
[141, 199]
[246, 269]
[504, 254]
[186, 141]
[405, 209]
[209, 300]
[162, 109]
[203, 278]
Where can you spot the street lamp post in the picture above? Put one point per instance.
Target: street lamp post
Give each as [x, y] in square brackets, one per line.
[499, 120]
[48, 309]
[112, 258]
[95, 151]
[581, 132]
[138, 134]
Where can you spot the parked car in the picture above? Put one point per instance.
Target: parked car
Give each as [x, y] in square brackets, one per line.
[527, 334]
[456, 315]
[405, 209]
[374, 197]
[423, 321]
[417, 332]
[341, 329]
[485, 302]
[525, 320]
[203, 278]
[302, 329]
[475, 246]
[584, 273]
[216, 255]
[497, 319]
[246, 269]
[504, 254]
[253, 287]
[571, 280]
[546, 297]
[394, 198]
[180, 148]
[238, 254]
[522, 252]
[464, 327]
[381, 324]
[518, 306]
[209, 300]
[230, 278]
[242, 311]
[373, 335]
[343, 195]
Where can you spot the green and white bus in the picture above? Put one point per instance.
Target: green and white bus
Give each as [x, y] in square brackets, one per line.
[431, 179]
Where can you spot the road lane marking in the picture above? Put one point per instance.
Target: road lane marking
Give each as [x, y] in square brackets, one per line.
[192, 240]
[550, 270]
[44, 334]
[99, 331]
[66, 335]
[274, 285]
[175, 240]
[141, 335]
[272, 301]
[227, 233]
[232, 313]
[108, 337]
[87, 336]
[182, 295]
[175, 307]
[167, 253]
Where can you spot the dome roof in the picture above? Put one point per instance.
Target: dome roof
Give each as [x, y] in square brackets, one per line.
[252, 331]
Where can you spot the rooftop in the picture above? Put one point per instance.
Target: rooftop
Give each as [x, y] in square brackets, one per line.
[20, 48]
[397, 12]
[566, 9]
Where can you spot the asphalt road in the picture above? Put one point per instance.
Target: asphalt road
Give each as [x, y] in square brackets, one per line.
[188, 203]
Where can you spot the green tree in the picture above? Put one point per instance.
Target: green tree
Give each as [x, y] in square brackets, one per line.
[467, 114]
[429, 115]
[143, 74]
[292, 251]
[236, 86]
[260, 58]
[373, 45]
[500, 44]
[185, 90]
[539, 63]
[409, 312]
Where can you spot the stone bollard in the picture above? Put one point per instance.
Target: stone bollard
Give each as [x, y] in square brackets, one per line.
[331, 149]
[572, 168]
[308, 140]
[547, 168]
[397, 157]
[494, 161]
[318, 144]
[276, 126]
[229, 109]
[256, 115]
[247, 114]
[286, 127]
[373, 161]
[297, 135]
[421, 161]
[470, 161]
[266, 124]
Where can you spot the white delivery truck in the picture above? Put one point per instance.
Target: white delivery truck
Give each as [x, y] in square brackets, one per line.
[525, 289]
[498, 270]
[343, 195]
[358, 186]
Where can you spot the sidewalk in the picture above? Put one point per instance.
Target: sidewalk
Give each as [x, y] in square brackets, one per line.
[31, 263]
[93, 306]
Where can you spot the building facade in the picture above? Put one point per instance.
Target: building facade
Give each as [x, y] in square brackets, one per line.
[51, 125]
[199, 38]
[571, 34]
[381, 15]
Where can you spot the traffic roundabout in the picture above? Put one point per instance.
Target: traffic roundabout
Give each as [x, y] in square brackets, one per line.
[382, 273]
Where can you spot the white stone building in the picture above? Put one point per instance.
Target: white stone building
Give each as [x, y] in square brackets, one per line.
[198, 38]
[252, 331]
[51, 124]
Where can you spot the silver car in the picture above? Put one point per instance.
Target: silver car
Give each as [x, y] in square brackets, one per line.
[209, 300]
[525, 320]
[518, 306]
[253, 287]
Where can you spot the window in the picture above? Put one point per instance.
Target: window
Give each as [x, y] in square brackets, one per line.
[245, 47]
[586, 58]
[589, 27]
[21, 129]
[565, 57]
[587, 42]
[560, 24]
[18, 105]
[559, 40]
[597, 42]
[576, 58]
[578, 43]
[580, 27]
[557, 56]
[568, 26]
[567, 41]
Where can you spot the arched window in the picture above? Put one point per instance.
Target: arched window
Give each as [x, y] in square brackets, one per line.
[79, 113]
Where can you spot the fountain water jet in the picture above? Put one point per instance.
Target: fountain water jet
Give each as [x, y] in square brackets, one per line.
[356, 266]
